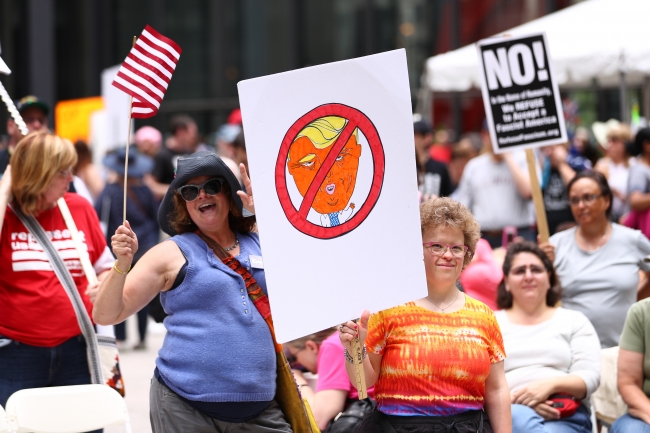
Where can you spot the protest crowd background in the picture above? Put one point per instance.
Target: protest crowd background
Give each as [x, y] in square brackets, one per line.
[593, 272]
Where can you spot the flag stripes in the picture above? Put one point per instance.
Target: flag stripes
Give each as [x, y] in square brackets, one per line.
[147, 70]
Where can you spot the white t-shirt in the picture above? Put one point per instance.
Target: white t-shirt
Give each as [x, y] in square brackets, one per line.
[489, 191]
[617, 178]
[602, 284]
[565, 344]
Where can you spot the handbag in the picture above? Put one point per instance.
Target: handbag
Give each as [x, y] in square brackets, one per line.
[566, 404]
[296, 409]
[350, 419]
[103, 358]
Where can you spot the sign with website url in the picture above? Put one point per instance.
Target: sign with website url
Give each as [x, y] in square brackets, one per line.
[522, 101]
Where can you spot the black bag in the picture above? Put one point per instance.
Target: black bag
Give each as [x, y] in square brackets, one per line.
[350, 419]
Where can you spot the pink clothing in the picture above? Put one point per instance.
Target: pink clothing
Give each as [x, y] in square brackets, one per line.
[481, 278]
[331, 368]
[639, 220]
[148, 133]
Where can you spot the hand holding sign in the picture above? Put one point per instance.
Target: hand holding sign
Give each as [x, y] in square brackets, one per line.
[352, 335]
[246, 196]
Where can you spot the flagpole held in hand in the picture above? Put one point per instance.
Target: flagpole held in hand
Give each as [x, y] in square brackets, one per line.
[144, 76]
[128, 142]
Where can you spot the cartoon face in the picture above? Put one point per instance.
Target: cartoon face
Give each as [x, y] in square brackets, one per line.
[305, 160]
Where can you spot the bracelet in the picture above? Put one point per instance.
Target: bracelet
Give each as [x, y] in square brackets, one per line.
[303, 384]
[350, 359]
[118, 271]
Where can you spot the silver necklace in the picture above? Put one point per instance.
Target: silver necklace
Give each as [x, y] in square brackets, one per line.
[234, 246]
[439, 307]
[590, 248]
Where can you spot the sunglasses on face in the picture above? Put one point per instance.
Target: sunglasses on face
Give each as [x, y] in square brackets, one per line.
[191, 192]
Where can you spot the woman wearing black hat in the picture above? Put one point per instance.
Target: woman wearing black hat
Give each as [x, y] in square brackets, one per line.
[217, 364]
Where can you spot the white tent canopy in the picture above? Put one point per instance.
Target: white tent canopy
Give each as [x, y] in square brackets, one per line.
[594, 39]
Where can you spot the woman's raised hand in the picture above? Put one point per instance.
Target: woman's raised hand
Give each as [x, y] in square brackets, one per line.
[125, 245]
[350, 330]
[246, 197]
[548, 248]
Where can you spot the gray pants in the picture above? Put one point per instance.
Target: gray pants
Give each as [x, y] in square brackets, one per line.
[169, 414]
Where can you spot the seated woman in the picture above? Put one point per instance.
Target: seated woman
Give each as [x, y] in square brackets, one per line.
[321, 353]
[634, 370]
[436, 361]
[551, 350]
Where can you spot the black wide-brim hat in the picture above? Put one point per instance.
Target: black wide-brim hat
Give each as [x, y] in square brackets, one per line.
[204, 163]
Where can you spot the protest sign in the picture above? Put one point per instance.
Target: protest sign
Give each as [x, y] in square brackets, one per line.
[332, 160]
[522, 103]
[520, 94]
[72, 117]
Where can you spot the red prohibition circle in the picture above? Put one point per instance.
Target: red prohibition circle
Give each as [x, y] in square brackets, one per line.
[298, 217]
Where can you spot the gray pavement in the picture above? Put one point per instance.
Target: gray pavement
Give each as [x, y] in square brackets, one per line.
[137, 368]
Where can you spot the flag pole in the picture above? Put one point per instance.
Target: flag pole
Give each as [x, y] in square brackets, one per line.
[128, 142]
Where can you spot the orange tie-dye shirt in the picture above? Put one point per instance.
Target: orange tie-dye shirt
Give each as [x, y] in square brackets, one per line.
[434, 364]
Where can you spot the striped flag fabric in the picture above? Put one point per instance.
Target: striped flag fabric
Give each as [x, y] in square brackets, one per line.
[147, 70]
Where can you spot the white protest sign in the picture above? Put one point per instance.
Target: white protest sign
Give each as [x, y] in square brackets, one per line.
[332, 160]
[520, 94]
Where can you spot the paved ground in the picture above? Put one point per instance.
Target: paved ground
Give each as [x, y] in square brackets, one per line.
[137, 368]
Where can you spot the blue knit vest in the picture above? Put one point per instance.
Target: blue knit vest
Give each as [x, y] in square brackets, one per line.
[218, 348]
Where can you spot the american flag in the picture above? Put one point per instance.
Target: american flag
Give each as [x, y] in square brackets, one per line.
[147, 70]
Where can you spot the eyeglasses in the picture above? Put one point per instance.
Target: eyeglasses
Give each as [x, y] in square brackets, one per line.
[292, 358]
[65, 173]
[191, 192]
[587, 199]
[439, 249]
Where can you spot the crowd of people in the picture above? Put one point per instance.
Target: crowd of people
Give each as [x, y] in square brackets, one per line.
[508, 338]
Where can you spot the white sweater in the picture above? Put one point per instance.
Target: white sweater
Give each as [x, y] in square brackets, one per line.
[565, 344]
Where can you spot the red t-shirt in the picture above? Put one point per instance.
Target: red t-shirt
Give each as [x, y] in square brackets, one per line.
[35, 308]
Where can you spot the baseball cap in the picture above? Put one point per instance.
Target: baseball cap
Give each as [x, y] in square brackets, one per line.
[31, 101]
[421, 127]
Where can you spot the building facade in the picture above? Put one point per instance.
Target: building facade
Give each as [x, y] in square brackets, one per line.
[58, 48]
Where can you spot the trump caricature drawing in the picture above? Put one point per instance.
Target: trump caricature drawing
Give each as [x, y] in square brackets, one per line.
[306, 155]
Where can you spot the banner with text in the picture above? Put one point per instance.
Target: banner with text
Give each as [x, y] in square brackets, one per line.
[520, 94]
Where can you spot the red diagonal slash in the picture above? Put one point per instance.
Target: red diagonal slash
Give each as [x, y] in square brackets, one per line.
[325, 168]
[356, 120]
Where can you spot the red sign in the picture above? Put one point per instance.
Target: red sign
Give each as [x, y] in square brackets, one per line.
[298, 217]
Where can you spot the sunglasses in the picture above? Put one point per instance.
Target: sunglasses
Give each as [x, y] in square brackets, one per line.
[191, 192]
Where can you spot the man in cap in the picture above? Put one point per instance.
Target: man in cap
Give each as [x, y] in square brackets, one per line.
[34, 113]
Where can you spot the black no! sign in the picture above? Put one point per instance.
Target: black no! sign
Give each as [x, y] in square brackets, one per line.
[520, 94]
